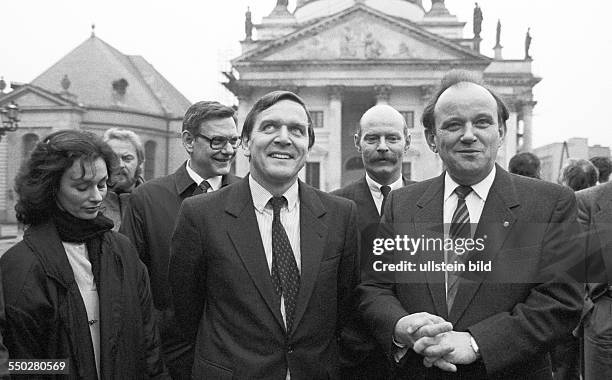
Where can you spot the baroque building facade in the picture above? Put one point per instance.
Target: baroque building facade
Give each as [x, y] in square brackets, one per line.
[344, 56]
[94, 87]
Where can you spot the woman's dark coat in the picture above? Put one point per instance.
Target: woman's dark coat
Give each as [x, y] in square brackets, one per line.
[46, 316]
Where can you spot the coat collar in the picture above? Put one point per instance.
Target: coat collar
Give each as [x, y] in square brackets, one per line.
[45, 242]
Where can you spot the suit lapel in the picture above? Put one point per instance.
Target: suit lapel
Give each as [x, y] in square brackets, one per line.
[364, 200]
[244, 234]
[496, 221]
[313, 235]
[429, 213]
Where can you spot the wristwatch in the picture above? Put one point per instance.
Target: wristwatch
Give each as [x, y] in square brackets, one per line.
[475, 347]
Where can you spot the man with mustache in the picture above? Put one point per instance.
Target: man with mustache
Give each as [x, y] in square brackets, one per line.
[382, 139]
[130, 154]
[505, 317]
[262, 271]
[210, 138]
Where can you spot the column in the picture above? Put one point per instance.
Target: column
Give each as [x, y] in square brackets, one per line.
[333, 170]
[527, 116]
[243, 93]
[383, 93]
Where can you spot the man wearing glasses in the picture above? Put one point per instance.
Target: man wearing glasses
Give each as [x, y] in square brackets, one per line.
[210, 138]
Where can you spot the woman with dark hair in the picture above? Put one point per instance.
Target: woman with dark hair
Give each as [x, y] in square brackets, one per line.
[73, 288]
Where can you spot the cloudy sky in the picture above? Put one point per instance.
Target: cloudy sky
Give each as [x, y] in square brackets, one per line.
[190, 42]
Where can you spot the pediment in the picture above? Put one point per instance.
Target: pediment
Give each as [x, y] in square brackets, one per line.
[361, 33]
[28, 96]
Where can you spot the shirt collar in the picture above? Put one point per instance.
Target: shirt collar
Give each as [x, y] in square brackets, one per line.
[481, 188]
[375, 186]
[261, 196]
[214, 182]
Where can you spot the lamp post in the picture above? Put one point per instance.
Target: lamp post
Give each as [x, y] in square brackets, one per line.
[9, 115]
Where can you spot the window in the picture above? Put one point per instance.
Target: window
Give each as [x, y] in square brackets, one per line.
[29, 142]
[409, 117]
[313, 174]
[149, 164]
[407, 170]
[317, 119]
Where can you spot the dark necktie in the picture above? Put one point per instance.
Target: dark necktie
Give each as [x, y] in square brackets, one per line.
[285, 273]
[202, 188]
[385, 190]
[459, 229]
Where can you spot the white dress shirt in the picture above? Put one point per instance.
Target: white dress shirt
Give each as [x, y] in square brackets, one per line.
[375, 190]
[214, 182]
[290, 219]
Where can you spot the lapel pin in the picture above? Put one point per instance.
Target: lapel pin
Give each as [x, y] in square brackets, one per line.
[506, 223]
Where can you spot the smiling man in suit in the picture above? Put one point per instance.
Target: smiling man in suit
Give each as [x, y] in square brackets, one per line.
[507, 317]
[382, 139]
[210, 138]
[263, 270]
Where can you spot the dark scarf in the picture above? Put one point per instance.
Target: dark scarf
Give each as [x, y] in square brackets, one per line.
[89, 231]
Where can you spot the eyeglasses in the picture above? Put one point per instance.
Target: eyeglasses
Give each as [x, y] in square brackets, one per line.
[219, 142]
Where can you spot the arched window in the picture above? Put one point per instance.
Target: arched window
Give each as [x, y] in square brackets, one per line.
[149, 165]
[29, 141]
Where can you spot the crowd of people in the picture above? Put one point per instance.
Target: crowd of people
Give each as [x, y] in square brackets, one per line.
[204, 275]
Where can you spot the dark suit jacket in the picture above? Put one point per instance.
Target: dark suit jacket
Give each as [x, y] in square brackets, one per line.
[595, 214]
[359, 350]
[516, 312]
[149, 221]
[222, 286]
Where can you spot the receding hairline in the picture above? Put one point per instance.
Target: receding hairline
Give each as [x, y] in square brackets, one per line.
[389, 114]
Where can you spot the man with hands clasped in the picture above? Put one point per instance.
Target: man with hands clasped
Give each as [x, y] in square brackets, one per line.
[497, 307]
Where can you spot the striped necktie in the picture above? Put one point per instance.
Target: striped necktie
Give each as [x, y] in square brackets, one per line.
[459, 229]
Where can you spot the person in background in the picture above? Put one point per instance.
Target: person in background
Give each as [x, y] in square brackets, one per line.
[73, 288]
[210, 138]
[128, 175]
[382, 139]
[579, 174]
[604, 166]
[526, 164]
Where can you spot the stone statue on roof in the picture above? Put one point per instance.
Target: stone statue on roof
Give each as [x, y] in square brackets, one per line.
[248, 25]
[477, 20]
[527, 44]
[498, 33]
[283, 3]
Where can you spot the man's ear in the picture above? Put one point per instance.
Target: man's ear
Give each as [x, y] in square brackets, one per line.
[408, 137]
[245, 147]
[187, 139]
[502, 134]
[430, 137]
[356, 141]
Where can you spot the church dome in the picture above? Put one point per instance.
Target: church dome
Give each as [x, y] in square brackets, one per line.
[412, 11]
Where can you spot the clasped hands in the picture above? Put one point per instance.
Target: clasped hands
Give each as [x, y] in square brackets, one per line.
[433, 337]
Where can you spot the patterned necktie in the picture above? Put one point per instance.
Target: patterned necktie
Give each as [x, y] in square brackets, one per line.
[285, 274]
[385, 190]
[202, 188]
[459, 229]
